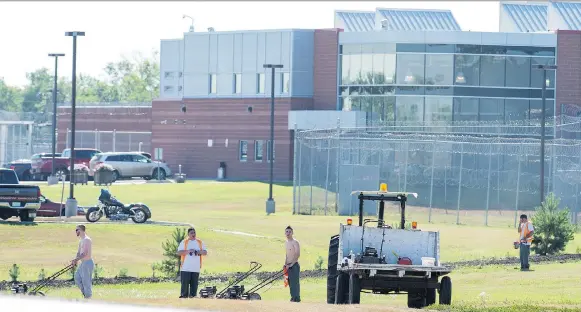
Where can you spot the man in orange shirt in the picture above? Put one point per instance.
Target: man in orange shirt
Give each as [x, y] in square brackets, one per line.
[526, 231]
[191, 251]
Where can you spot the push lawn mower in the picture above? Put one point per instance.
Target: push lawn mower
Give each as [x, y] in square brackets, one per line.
[22, 288]
[230, 291]
[252, 294]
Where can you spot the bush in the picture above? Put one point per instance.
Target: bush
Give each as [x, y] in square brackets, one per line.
[122, 273]
[14, 273]
[553, 230]
[155, 267]
[171, 265]
[319, 263]
[41, 275]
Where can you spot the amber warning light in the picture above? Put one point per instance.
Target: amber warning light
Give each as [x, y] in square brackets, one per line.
[349, 221]
[414, 225]
[383, 187]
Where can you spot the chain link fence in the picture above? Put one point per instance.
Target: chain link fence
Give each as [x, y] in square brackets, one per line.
[111, 141]
[464, 172]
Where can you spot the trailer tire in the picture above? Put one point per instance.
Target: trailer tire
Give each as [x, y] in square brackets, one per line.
[430, 296]
[332, 268]
[446, 290]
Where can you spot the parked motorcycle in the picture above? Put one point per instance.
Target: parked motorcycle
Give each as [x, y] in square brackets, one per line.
[116, 210]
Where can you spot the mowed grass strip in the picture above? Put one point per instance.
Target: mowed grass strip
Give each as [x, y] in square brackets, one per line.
[493, 287]
[223, 213]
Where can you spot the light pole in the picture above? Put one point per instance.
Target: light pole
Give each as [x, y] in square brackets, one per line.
[270, 204]
[544, 68]
[54, 96]
[71, 204]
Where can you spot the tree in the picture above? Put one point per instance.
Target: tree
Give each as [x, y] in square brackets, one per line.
[10, 97]
[172, 263]
[553, 230]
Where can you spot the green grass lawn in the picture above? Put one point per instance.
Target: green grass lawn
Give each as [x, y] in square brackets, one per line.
[214, 207]
[495, 286]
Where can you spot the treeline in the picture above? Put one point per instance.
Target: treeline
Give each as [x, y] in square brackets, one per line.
[134, 79]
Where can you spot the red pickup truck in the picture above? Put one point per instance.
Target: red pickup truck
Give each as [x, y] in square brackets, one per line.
[41, 167]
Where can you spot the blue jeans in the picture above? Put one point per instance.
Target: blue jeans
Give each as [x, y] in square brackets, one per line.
[525, 251]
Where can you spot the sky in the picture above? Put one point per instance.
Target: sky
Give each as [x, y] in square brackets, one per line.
[31, 30]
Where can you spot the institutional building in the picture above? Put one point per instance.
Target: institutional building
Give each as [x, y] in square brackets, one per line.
[378, 67]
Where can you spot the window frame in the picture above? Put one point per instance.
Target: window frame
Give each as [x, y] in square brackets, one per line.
[242, 158]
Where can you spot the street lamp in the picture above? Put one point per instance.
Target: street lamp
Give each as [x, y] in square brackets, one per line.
[71, 204]
[544, 68]
[53, 179]
[270, 205]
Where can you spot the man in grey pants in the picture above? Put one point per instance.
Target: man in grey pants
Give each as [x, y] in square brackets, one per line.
[84, 274]
[291, 263]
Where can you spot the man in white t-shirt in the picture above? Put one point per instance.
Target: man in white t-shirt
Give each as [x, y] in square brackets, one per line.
[526, 231]
[191, 251]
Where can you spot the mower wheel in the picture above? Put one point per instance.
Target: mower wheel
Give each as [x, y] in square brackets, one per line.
[254, 296]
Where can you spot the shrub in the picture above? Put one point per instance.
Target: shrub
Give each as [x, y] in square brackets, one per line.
[155, 267]
[122, 273]
[319, 263]
[170, 266]
[553, 230]
[98, 272]
[41, 275]
[14, 273]
[104, 167]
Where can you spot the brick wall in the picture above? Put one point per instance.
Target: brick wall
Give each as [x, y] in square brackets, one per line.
[325, 69]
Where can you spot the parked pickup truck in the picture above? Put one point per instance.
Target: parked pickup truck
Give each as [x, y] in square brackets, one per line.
[17, 200]
[41, 167]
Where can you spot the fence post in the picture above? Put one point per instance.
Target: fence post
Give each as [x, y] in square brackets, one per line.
[517, 187]
[337, 164]
[295, 169]
[300, 169]
[114, 138]
[30, 139]
[432, 181]
[327, 174]
[460, 183]
[405, 178]
[311, 179]
[488, 187]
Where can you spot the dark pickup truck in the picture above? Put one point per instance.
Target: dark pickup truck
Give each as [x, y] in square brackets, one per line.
[41, 167]
[17, 200]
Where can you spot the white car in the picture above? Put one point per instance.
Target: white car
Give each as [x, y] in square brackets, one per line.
[131, 164]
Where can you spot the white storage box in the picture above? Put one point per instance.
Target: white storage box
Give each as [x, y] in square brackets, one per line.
[428, 261]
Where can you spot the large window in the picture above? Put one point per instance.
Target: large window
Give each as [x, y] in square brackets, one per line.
[516, 109]
[258, 150]
[410, 69]
[345, 69]
[467, 70]
[260, 83]
[439, 69]
[536, 107]
[213, 86]
[366, 68]
[438, 109]
[537, 74]
[382, 109]
[409, 108]
[355, 69]
[518, 71]
[384, 68]
[243, 150]
[491, 109]
[465, 109]
[492, 71]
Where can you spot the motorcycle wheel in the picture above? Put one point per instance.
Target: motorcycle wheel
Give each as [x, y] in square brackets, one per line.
[139, 215]
[93, 214]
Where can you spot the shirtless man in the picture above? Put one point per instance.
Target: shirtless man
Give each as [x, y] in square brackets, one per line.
[291, 263]
[84, 274]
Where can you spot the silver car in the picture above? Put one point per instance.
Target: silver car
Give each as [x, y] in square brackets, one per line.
[131, 164]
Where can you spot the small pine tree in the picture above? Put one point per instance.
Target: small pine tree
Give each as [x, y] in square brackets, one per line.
[14, 273]
[170, 266]
[319, 263]
[97, 272]
[553, 230]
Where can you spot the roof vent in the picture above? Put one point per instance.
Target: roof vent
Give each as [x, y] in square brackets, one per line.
[384, 24]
